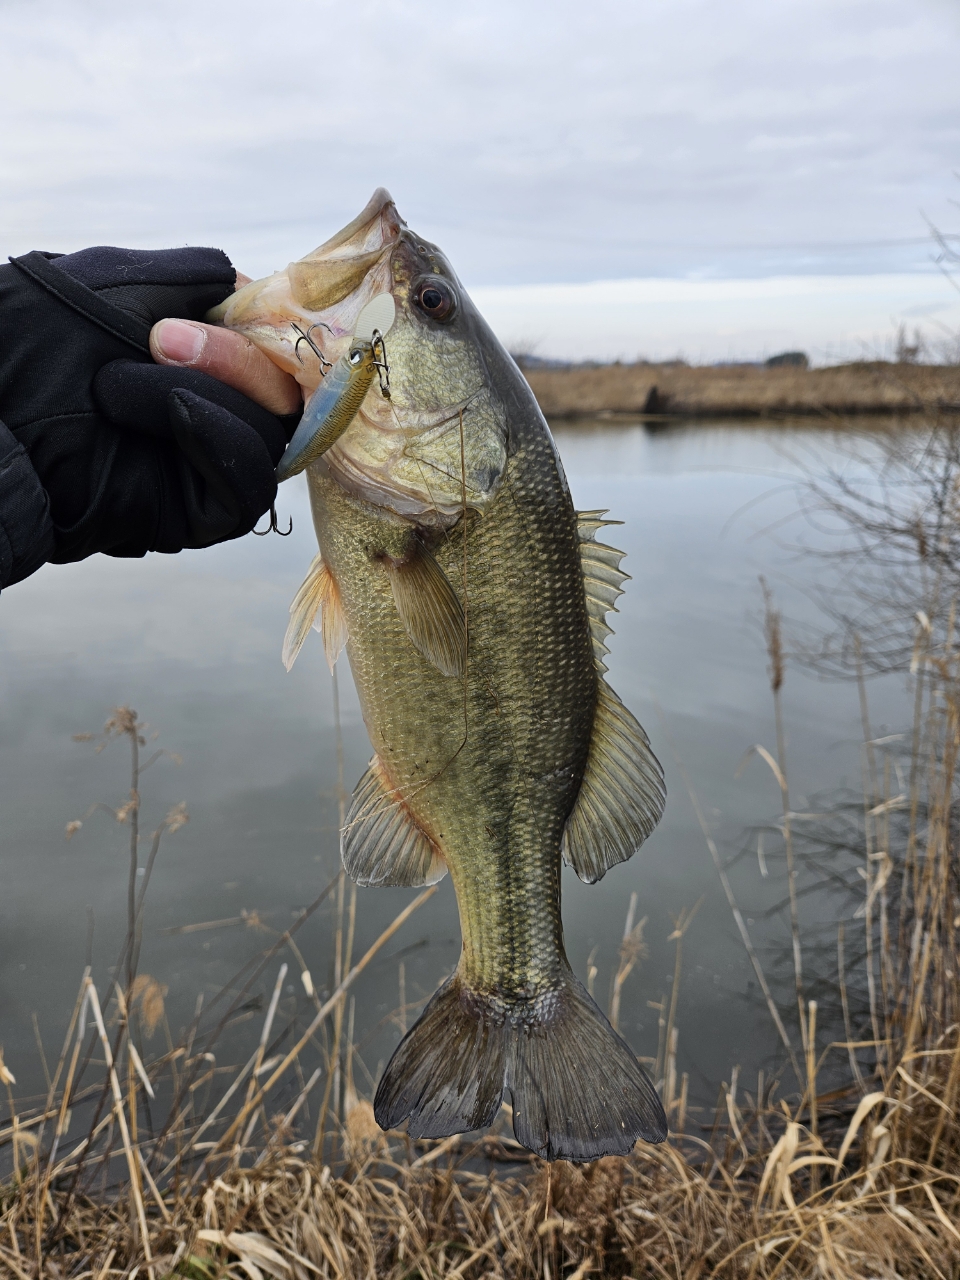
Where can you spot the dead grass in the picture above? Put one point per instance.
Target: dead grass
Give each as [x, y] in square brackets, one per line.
[284, 1173]
[690, 391]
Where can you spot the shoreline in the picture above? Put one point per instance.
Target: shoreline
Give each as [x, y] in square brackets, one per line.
[668, 392]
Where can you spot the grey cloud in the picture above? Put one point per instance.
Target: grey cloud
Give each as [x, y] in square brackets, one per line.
[535, 142]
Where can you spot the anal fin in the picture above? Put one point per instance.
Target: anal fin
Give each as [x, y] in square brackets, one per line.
[622, 794]
[316, 602]
[381, 844]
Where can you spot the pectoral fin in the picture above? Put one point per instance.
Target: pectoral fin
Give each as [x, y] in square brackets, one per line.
[622, 794]
[429, 609]
[381, 843]
[318, 595]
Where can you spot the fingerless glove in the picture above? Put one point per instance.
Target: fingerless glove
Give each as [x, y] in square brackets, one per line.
[132, 456]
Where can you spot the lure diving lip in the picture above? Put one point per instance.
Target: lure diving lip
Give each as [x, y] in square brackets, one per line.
[335, 403]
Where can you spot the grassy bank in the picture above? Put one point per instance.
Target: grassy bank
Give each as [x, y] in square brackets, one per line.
[844, 1163]
[739, 391]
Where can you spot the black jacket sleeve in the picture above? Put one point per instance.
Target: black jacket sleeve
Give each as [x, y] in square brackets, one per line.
[26, 530]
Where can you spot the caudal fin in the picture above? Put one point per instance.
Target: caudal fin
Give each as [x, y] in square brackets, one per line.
[577, 1089]
[447, 1074]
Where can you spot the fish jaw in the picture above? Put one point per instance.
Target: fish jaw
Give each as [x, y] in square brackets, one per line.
[322, 294]
[439, 444]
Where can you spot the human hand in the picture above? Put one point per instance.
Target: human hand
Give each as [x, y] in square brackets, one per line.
[138, 456]
[227, 356]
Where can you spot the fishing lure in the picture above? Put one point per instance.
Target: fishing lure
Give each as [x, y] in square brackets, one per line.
[337, 400]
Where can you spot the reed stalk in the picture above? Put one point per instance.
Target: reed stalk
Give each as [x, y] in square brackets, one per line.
[858, 1179]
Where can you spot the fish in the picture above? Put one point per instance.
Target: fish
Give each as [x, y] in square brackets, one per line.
[472, 600]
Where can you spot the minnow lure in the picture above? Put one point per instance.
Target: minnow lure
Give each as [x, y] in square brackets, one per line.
[337, 400]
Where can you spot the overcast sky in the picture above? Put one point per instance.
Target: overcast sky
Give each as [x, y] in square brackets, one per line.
[537, 141]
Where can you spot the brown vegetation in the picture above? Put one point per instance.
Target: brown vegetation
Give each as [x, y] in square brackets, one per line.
[793, 1179]
[742, 391]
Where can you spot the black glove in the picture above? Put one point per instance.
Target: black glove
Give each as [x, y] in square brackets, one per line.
[134, 456]
[26, 534]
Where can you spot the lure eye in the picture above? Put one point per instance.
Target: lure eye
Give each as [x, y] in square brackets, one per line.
[356, 355]
[436, 299]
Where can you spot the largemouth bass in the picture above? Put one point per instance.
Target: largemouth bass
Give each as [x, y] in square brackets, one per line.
[472, 600]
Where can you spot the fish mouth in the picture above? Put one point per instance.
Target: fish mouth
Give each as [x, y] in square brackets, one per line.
[332, 274]
[338, 267]
[376, 225]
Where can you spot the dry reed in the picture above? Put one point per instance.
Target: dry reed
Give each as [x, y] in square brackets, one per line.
[284, 1172]
[682, 390]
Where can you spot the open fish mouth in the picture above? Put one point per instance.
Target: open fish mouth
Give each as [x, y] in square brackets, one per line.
[324, 291]
[341, 264]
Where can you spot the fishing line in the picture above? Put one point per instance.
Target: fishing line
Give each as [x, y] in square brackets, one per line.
[338, 738]
[404, 794]
[466, 613]
[399, 795]
[466, 602]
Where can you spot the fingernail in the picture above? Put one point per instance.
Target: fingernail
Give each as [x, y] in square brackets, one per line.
[179, 341]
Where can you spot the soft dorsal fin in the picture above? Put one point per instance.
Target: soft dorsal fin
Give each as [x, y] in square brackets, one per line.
[429, 609]
[602, 578]
[381, 843]
[622, 794]
[318, 594]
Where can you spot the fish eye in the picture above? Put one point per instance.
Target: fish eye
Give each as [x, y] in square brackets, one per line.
[356, 355]
[436, 299]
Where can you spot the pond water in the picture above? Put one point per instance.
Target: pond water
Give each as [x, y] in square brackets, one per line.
[193, 643]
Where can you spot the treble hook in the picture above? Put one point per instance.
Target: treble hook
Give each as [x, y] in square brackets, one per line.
[273, 527]
[380, 362]
[305, 337]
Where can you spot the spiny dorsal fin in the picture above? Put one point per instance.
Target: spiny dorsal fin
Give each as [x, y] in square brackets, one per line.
[429, 609]
[622, 794]
[318, 594]
[381, 844]
[602, 578]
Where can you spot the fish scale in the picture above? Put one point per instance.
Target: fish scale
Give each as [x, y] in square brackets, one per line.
[528, 678]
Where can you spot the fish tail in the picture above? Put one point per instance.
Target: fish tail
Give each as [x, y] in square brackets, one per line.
[577, 1089]
[447, 1075]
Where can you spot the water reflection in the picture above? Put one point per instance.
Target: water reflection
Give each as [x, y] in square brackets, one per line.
[193, 643]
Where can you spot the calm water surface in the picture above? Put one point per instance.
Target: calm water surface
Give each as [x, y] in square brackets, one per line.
[193, 643]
